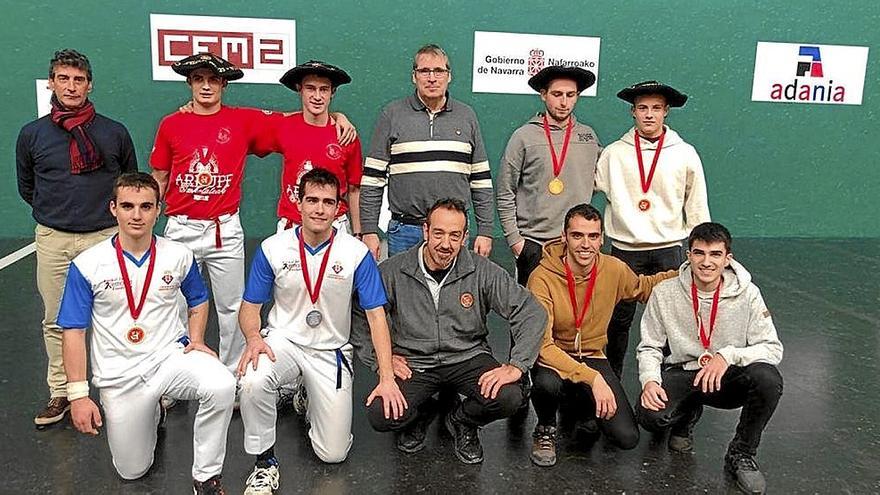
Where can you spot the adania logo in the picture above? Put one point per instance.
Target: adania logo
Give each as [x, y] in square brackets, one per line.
[809, 73]
[813, 87]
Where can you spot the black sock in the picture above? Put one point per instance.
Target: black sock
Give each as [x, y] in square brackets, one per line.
[267, 458]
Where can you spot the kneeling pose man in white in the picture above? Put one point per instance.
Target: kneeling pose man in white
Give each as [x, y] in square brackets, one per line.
[312, 272]
[127, 289]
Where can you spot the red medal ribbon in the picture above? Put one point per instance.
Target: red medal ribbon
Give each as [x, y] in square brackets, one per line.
[559, 161]
[129, 293]
[646, 184]
[305, 266]
[588, 293]
[704, 337]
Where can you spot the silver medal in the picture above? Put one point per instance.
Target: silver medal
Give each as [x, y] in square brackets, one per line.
[313, 318]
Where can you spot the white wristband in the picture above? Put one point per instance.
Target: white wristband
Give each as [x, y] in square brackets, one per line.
[77, 390]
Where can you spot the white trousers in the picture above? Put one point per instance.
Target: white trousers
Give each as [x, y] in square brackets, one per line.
[132, 412]
[329, 410]
[225, 267]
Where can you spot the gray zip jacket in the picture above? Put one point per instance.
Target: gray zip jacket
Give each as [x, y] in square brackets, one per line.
[744, 331]
[455, 330]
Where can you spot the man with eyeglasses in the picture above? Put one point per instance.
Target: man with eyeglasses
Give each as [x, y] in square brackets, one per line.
[425, 147]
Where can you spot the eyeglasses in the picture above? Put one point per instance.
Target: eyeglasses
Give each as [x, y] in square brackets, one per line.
[428, 72]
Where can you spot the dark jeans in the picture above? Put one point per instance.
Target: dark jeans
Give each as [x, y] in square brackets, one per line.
[528, 260]
[461, 377]
[548, 390]
[756, 388]
[643, 263]
[402, 236]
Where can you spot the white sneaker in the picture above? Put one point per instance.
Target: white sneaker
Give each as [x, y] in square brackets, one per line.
[263, 481]
[301, 400]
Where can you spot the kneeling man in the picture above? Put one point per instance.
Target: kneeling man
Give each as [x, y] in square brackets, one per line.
[723, 353]
[579, 287]
[127, 289]
[312, 272]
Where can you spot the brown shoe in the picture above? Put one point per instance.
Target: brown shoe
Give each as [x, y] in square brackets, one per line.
[54, 411]
[544, 446]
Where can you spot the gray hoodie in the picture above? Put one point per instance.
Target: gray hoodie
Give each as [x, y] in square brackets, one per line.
[525, 206]
[744, 331]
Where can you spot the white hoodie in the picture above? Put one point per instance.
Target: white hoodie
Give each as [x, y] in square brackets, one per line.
[677, 193]
[744, 332]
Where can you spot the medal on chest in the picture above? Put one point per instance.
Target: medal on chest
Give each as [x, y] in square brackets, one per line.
[705, 336]
[314, 316]
[644, 205]
[556, 186]
[136, 334]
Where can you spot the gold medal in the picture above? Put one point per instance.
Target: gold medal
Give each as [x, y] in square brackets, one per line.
[555, 186]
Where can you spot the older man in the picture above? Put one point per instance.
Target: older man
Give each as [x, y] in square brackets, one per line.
[425, 147]
[67, 163]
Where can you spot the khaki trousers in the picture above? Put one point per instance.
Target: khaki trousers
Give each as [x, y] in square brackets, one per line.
[55, 250]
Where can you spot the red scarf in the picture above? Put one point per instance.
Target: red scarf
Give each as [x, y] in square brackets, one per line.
[84, 156]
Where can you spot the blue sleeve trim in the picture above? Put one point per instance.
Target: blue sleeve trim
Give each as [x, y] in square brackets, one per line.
[368, 283]
[193, 287]
[261, 280]
[76, 303]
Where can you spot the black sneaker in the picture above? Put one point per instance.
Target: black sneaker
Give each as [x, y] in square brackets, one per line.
[412, 439]
[743, 468]
[210, 486]
[544, 446]
[465, 439]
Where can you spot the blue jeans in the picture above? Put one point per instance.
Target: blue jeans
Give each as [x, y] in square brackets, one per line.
[402, 236]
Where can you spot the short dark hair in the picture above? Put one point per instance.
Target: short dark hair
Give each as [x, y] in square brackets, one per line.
[137, 180]
[431, 49]
[70, 58]
[450, 204]
[710, 232]
[586, 210]
[317, 177]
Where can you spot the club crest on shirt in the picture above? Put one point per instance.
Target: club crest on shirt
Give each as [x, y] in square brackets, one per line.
[223, 135]
[168, 281]
[585, 137]
[334, 151]
[292, 190]
[337, 271]
[466, 300]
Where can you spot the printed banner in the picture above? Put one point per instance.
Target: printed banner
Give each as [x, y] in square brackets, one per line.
[504, 62]
[809, 73]
[263, 48]
[44, 97]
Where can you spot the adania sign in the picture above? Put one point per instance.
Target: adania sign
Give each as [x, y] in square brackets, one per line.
[809, 73]
[504, 62]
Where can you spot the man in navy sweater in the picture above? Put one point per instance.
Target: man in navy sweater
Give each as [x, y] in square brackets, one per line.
[67, 163]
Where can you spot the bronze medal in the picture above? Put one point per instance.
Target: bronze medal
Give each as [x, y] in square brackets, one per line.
[644, 205]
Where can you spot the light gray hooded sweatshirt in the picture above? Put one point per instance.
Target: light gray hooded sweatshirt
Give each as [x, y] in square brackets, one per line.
[744, 332]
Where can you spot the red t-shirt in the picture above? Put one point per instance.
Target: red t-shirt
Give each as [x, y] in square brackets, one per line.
[305, 147]
[205, 157]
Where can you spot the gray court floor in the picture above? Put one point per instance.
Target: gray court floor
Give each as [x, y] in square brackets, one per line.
[824, 438]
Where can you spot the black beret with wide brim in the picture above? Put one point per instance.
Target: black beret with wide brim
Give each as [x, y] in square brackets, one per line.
[582, 77]
[294, 76]
[674, 98]
[219, 66]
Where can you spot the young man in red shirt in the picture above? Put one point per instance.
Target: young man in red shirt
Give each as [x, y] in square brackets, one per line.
[308, 140]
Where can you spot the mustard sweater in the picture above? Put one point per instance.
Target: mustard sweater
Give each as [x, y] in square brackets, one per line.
[614, 282]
